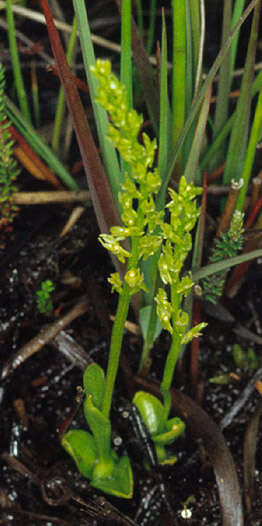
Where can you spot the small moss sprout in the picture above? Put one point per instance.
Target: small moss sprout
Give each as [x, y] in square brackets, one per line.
[43, 297]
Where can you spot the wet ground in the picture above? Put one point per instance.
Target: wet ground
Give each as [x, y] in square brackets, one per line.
[39, 484]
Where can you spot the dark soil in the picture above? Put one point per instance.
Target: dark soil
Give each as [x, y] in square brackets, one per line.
[39, 484]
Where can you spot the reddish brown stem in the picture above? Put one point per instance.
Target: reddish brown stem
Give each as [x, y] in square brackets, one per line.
[194, 361]
[100, 191]
[42, 169]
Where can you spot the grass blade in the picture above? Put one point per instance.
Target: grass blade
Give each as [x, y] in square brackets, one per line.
[19, 83]
[38, 145]
[108, 151]
[193, 158]
[99, 188]
[164, 124]
[152, 25]
[257, 85]
[237, 11]
[146, 73]
[238, 140]
[224, 84]
[126, 52]
[179, 73]
[197, 103]
[126, 61]
[251, 150]
[220, 266]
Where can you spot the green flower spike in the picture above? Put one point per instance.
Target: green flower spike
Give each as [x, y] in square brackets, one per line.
[177, 244]
[140, 217]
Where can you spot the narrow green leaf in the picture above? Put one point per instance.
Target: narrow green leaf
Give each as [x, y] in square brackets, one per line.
[126, 61]
[164, 124]
[251, 150]
[224, 265]
[139, 16]
[19, 83]
[237, 12]
[108, 151]
[152, 25]
[100, 427]
[195, 32]
[38, 145]
[189, 83]
[146, 73]
[179, 71]
[224, 83]
[238, 140]
[257, 85]
[192, 162]
[126, 52]
[197, 103]
[144, 320]
[94, 383]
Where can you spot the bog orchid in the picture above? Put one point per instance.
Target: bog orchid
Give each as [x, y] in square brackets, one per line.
[143, 232]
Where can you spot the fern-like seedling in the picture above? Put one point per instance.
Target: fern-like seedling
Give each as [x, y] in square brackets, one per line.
[8, 165]
[226, 246]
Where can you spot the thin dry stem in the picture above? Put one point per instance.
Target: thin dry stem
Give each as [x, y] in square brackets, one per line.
[42, 198]
[44, 337]
[229, 207]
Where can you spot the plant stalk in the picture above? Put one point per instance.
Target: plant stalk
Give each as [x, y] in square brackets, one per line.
[173, 353]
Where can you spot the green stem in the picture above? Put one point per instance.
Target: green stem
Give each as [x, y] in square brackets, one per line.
[115, 348]
[169, 372]
[172, 354]
[118, 327]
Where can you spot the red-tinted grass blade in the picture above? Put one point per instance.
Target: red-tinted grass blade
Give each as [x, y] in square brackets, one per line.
[99, 188]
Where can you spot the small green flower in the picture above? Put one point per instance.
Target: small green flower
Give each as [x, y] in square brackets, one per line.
[185, 285]
[135, 279]
[148, 245]
[116, 282]
[140, 218]
[110, 243]
[164, 309]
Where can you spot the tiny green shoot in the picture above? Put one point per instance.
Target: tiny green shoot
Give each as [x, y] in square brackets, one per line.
[43, 297]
